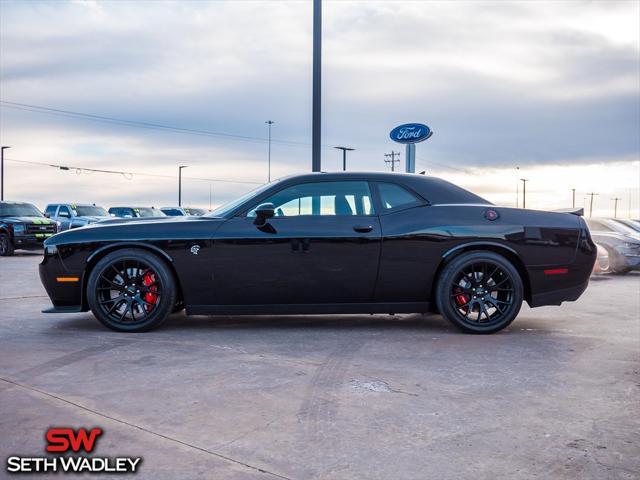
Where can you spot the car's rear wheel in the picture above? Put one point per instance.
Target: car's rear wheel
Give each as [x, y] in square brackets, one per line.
[479, 292]
[6, 245]
[131, 290]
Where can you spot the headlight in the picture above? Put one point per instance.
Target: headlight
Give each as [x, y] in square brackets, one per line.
[18, 228]
[50, 249]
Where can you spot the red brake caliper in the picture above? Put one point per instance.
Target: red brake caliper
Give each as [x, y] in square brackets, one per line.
[150, 297]
[460, 298]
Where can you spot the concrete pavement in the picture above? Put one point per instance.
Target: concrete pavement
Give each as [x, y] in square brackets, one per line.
[331, 397]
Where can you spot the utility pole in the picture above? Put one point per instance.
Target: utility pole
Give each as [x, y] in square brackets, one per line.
[591, 203]
[2, 149]
[615, 206]
[390, 158]
[316, 115]
[573, 203]
[269, 122]
[524, 192]
[344, 156]
[180, 184]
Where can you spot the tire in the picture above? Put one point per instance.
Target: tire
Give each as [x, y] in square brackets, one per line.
[494, 303]
[6, 245]
[131, 290]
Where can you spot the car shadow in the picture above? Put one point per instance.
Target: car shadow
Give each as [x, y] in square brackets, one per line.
[198, 323]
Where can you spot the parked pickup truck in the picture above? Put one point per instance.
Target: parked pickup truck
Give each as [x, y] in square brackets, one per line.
[74, 215]
[23, 226]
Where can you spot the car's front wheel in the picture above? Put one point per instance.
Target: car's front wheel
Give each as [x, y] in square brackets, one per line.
[6, 245]
[479, 292]
[131, 290]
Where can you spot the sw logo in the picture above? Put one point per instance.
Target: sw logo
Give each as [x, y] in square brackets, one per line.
[65, 440]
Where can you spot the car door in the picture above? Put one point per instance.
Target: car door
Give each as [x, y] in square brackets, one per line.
[322, 246]
[64, 217]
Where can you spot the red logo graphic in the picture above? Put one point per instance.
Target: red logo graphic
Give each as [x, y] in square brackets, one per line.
[64, 439]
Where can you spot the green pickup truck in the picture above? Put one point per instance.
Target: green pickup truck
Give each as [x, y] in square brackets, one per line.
[23, 226]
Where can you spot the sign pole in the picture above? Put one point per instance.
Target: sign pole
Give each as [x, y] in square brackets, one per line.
[410, 156]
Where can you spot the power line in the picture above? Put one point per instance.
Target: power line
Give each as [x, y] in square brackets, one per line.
[139, 124]
[127, 175]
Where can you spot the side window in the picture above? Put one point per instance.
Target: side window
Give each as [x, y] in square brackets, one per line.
[322, 198]
[64, 212]
[395, 196]
[51, 210]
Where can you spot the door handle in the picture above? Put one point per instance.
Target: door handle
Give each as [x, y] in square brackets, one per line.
[363, 228]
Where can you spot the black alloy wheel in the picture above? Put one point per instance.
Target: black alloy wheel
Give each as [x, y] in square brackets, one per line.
[6, 245]
[480, 292]
[131, 291]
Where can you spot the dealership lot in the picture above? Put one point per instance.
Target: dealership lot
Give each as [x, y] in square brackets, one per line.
[354, 396]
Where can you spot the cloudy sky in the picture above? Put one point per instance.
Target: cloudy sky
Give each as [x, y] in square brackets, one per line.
[546, 90]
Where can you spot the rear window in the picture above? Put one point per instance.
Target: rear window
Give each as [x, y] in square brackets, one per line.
[394, 196]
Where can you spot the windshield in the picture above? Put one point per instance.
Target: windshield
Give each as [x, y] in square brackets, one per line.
[622, 228]
[195, 211]
[19, 210]
[224, 210]
[91, 211]
[149, 212]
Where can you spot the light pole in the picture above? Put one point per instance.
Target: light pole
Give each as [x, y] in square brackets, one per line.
[517, 188]
[573, 203]
[316, 115]
[180, 184]
[592, 194]
[524, 192]
[2, 149]
[344, 156]
[269, 122]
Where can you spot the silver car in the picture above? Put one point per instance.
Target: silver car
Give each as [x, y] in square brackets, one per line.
[74, 215]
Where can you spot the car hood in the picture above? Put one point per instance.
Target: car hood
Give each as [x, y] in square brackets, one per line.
[92, 218]
[138, 229]
[36, 220]
[129, 221]
[615, 237]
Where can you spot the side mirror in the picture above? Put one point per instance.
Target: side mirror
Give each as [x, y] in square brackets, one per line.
[48, 215]
[264, 212]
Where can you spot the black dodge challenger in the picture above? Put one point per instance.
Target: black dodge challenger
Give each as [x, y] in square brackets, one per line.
[325, 243]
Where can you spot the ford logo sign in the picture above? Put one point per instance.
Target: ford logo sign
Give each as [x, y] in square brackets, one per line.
[410, 133]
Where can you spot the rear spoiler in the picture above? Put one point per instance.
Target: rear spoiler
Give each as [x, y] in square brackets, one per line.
[573, 211]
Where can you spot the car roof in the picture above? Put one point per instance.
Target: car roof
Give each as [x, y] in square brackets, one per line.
[72, 204]
[433, 189]
[14, 202]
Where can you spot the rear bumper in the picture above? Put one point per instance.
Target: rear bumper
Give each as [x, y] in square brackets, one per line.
[556, 297]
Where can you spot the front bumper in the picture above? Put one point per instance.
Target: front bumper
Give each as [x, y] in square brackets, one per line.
[65, 296]
[30, 241]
